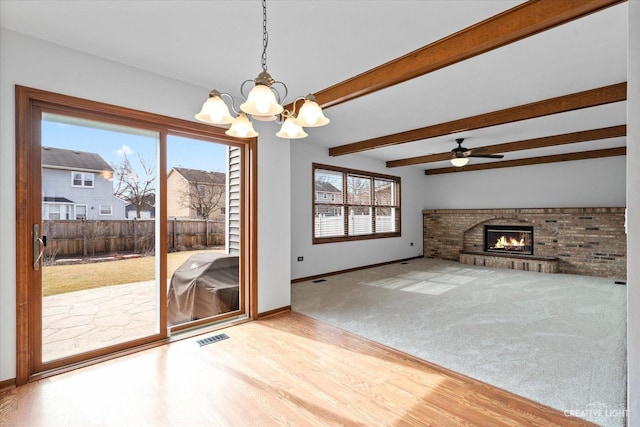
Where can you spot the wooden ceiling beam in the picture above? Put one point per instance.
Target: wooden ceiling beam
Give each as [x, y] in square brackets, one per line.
[527, 144]
[522, 21]
[561, 104]
[582, 155]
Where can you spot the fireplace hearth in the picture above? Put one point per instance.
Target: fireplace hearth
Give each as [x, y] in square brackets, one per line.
[508, 239]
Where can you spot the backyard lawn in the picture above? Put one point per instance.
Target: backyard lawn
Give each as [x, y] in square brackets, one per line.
[58, 279]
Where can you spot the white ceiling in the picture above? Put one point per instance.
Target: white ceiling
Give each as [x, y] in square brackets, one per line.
[316, 44]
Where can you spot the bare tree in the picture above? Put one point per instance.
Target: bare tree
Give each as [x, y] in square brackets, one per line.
[384, 194]
[93, 231]
[131, 187]
[358, 190]
[204, 196]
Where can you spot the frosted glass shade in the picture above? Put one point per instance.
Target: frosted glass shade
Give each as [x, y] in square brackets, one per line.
[241, 127]
[261, 102]
[264, 118]
[459, 161]
[311, 115]
[291, 130]
[215, 111]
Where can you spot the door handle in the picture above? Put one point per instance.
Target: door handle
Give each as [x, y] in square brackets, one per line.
[38, 247]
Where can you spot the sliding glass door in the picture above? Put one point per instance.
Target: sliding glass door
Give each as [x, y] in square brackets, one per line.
[130, 227]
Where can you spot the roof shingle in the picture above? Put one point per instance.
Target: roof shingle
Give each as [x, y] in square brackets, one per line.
[200, 176]
[59, 157]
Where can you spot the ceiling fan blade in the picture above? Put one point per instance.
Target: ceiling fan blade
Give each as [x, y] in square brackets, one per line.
[487, 156]
[478, 150]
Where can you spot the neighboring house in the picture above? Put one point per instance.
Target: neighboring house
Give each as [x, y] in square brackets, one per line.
[325, 192]
[147, 210]
[193, 193]
[78, 185]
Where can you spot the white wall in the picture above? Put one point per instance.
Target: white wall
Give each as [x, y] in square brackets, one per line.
[330, 257]
[633, 215]
[35, 63]
[274, 231]
[585, 183]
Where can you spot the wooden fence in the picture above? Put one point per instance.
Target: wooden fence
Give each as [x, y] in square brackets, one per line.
[77, 238]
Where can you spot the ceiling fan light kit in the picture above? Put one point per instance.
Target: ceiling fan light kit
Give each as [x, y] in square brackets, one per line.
[460, 155]
[263, 103]
[459, 161]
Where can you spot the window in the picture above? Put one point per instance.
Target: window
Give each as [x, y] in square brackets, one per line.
[81, 211]
[54, 211]
[354, 205]
[105, 209]
[82, 179]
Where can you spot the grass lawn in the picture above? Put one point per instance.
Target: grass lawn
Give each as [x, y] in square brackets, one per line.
[58, 279]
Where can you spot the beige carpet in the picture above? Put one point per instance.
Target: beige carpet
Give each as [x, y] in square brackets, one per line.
[554, 338]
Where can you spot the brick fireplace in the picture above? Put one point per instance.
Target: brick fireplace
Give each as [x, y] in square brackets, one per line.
[588, 241]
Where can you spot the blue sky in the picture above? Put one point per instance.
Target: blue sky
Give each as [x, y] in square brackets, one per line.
[112, 144]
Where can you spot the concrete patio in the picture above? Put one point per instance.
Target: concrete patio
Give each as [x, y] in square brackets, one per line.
[76, 322]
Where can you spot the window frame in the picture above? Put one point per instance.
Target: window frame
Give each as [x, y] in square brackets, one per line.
[56, 212]
[100, 210]
[345, 206]
[84, 180]
[75, 211]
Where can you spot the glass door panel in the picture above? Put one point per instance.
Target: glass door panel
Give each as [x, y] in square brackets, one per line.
[203, 262]
[99, 261]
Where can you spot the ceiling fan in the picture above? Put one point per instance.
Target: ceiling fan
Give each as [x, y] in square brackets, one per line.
[460, 155]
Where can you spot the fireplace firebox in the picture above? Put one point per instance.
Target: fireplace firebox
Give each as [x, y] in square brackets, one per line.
[508, 239]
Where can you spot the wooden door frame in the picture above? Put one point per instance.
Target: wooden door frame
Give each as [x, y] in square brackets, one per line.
[29, 104]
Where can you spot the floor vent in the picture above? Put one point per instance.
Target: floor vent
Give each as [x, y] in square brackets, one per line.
[319, 280]
[212, 339]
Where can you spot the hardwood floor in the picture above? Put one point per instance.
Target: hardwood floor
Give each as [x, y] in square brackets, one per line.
[286, 369]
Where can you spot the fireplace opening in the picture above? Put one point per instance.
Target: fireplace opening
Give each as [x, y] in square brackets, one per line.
[508, 239]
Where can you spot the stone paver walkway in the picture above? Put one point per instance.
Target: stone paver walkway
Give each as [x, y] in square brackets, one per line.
[80, 321]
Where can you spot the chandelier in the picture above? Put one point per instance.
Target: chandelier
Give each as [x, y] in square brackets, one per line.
[264, 103]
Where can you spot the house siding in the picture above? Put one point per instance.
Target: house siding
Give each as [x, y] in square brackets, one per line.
[58, 183]
[179, 188]
[174, 208]
[233, 203]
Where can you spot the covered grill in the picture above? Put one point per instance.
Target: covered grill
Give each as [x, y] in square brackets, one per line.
[205, 285]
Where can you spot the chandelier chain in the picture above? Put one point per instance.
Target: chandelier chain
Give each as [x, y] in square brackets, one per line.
[262, 102]
[265, 35]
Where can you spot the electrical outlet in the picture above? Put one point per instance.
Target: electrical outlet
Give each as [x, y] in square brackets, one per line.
[300, 258]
